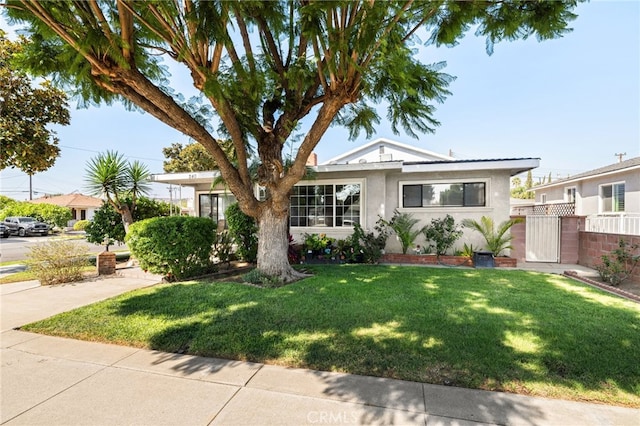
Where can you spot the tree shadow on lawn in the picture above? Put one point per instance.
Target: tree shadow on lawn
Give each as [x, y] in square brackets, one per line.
[478, 329]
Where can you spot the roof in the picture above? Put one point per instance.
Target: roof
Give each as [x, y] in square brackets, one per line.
[363, 149]
[70, 200]
[622, 166]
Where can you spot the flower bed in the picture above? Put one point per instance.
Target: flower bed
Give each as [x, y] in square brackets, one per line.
[431, 259]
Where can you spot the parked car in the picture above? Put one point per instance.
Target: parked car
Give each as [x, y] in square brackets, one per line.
[4, 231]
[23, 226]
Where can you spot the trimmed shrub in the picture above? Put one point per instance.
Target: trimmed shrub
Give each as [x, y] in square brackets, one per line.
[177, 247]
[443, 233]
[244, 231]
[58, 262]
[80, 225]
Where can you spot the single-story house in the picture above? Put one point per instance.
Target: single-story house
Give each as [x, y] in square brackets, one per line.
[608, 196]
[82, 206]
[373, 181]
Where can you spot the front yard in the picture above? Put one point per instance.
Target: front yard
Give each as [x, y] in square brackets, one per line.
[514, 331]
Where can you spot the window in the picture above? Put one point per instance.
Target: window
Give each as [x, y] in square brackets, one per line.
[570, 194]
[214, 205]
[543, 198]
[325, 205]
[471, 194]
[612, 197]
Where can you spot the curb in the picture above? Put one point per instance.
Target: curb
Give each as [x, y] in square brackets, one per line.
[601, 286]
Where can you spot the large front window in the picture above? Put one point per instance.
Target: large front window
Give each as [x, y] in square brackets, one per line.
[470, 194]
[214, 205]
[612, 197]
[325, 205]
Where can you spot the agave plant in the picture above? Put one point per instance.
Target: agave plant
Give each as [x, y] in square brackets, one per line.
[498, 239]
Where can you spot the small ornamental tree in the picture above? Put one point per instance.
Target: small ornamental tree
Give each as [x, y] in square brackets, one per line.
[105, 227]
[443, 233]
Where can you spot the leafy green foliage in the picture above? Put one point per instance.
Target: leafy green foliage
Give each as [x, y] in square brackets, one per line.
[47, 213]
[81, 225]
[106, 227]
[443, 233]
[618, 266]
[57, 262]
[223, 246]
[326, 60]
[26, 141]
[177, 247]
[192, 157]
[5, 201]
[146, 208]
[368, 244]
[263, 280]
[244, 231]
[497, 240]
[403, 224]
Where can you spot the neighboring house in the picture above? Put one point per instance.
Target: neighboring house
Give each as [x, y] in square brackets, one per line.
[374, 180]
[82, 206]
[609, 197]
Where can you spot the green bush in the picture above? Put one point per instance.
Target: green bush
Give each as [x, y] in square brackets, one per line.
[177, 247]
[367, 247]
[244, 231]
[618, 266]
[58, 262]
[146, 208]
[48, 213]
[403, 226]
[258, 278]
[80, 225]
[106, 225]
[5, 201]
[443, 233]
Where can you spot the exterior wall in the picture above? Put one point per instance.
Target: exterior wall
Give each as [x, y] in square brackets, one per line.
[588, 192]
[390, 153]
[593, 245]
[497, 193]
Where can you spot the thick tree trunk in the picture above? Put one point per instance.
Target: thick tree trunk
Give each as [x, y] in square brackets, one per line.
[273, 246]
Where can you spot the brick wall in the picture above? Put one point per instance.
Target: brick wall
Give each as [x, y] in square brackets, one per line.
[593, 245]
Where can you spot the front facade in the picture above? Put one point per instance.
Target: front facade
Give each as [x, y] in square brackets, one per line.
[375, 180]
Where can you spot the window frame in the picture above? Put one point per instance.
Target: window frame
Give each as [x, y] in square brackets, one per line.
[567, 197]
[466, 181]
[601, 198]
[218, 195]
[334, 183]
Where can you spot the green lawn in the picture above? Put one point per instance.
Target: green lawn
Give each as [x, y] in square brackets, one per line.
[494, 329]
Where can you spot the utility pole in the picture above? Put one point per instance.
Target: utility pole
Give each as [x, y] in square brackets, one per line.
[170, 200]
[620, 156]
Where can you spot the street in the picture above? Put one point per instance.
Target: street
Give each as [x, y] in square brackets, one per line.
[16, 248]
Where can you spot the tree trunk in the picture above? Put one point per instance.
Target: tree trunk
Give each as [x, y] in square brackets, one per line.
[273, 246]
[127, 217]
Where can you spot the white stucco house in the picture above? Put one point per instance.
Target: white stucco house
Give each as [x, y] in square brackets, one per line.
[608, 196]
[82, 206]
[374, 180]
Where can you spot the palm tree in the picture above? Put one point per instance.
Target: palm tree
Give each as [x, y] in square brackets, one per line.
[121, 183]
[403, 225]
[497, 240]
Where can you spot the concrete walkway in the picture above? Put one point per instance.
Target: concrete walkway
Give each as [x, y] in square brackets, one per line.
[55, 381]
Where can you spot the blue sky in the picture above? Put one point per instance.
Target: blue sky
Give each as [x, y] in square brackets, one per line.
[573, 102]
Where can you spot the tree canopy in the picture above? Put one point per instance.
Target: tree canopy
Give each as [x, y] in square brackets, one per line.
[263, 67]
[25, 113]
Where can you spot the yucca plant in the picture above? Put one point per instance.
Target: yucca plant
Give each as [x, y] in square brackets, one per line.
[498, 239]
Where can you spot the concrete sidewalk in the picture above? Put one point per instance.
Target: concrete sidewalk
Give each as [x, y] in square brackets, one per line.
[56, 381]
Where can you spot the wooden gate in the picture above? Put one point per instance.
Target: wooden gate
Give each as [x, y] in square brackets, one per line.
[542, 239]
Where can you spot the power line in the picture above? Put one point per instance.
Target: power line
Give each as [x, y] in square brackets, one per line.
[99, 152]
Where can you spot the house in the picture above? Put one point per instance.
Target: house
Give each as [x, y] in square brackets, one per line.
[609, 197]
[373, 181]
[82, 206]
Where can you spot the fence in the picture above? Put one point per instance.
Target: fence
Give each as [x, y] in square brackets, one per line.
[554, 209]
[623, 224]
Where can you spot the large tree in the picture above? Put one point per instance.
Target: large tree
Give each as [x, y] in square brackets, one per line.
[26, 111]
[265, 66]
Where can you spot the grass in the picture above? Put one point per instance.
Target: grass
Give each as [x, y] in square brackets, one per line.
[514, 331]
[28, 275]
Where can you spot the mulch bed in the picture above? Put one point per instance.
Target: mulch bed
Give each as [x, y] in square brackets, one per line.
[606, 287]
